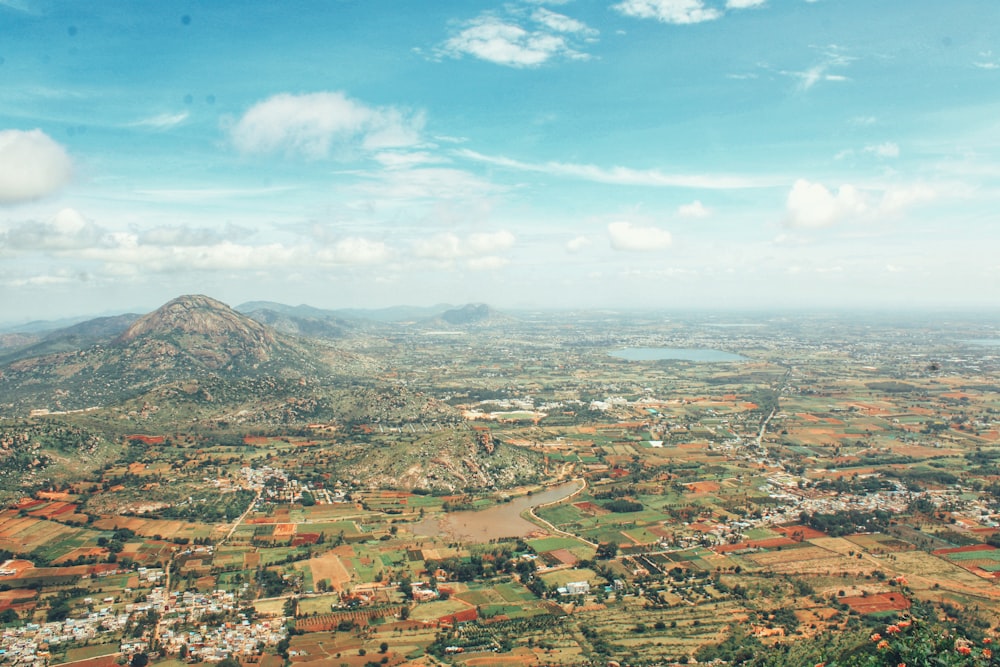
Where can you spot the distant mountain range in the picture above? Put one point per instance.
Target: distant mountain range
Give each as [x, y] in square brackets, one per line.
[43, 337]
[108, 360]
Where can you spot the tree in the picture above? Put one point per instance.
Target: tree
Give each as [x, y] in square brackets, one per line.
[140, 660]
[606, 550]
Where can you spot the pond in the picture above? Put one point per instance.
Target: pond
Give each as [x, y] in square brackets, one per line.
[503, 520]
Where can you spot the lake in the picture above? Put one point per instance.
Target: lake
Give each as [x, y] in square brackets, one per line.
[503, 520]
[675, 353]
[984, 342]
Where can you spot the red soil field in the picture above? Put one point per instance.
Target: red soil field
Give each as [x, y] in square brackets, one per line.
[703, 487]
[878, 602]
[147, 439]
[103, 661]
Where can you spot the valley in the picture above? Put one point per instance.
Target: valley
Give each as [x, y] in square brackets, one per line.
[487, 489]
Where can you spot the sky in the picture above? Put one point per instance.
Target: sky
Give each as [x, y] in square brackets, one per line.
[710, 154]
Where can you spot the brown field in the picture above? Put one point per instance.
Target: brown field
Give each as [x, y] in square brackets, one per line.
[805, 532]
[8, 598]
[330, 567]
[284, 529]
[519, 656]
[703, 487]
[809, 560]
[924, 571]
[879, 602]
[53, 495]
[103, 661]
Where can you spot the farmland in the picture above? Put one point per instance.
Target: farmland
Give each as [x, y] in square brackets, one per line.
[838, 476]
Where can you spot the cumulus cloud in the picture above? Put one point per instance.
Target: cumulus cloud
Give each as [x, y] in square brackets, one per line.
[311, 124]
[629, 237]
[181, 235]
[171, 249]
[67, 230]
[32, 166]
[744, 4]
[669, 11]
[562, 23]
[449, 246]
[578, 244]
[354, 250]
[693, 210]
[514, 40]
[813, 205]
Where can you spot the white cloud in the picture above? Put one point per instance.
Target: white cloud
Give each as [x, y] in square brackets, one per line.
[895, 200]
[621, 175]
[182, 235]
[406, 159]
[562, 23]
[163, 121]
[354, 251]
[311, 124]
[744, 4]
[812, 205]
[32, 165]
[432, 183]
[629, 237]
[887, 149]
[505, 40]
[67, 230]
[578, 244]
[669, 11]
[484, 243]
[442, 246]
[449, 246]
[694, 210]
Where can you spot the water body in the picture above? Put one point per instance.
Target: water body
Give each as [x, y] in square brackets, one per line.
[503, 520]
[700, 355]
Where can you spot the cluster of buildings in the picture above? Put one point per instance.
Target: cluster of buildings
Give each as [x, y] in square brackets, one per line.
[32, 643]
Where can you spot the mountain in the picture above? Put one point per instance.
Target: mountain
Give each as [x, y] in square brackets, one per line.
[393, 313]
[192, 338]
[197, 331]
[75, 337]
[300, 320]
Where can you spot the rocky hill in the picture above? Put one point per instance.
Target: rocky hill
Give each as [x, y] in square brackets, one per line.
[191, 338]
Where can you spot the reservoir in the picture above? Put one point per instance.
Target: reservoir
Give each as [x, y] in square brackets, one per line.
[675, 353]
[503, 520]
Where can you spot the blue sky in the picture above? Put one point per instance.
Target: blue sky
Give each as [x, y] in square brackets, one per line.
[751, 154]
